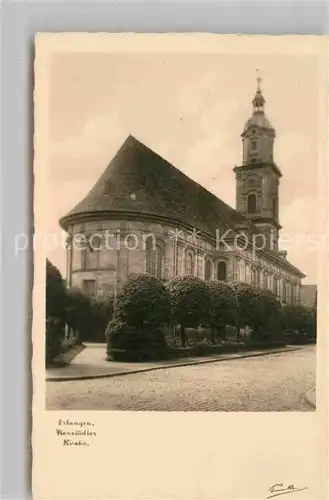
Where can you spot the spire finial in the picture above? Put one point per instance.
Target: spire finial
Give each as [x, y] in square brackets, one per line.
[258, 101]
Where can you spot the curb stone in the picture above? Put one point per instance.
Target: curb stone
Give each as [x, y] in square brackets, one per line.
[310, 398]
[164, 367]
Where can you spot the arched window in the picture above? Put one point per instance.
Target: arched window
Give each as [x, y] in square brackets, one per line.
[251, 203]
[275, 285]
[153, 259]
[265, 280]
[284, 291]
[189, 263]
[207, 270]
[253, 276]
[253, 145]
[221, 271]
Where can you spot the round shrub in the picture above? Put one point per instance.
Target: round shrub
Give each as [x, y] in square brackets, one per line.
[143, 301]
[260, 310]
[130, 343]
[223, 308]
[247, 297]
[299, 323]
[190, 302]
[266, 316]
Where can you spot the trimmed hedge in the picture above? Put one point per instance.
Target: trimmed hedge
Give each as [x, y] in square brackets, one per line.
[201, 350]
[260, 310]
[145, 304]
[299, 324]
[130, 343]
[143, 301]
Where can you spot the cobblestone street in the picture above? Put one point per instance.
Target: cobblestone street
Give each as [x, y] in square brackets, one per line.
[274, 382]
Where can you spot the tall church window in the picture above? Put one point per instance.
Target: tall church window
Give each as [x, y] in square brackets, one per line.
[253, 277]
[253, 145]
[284, 292]
[275, 285]
[251, 203]
[153, 259]
[265, 280]
[207, 270]
[274, 207]
[189, 263]
[221, 271]
[247, 273]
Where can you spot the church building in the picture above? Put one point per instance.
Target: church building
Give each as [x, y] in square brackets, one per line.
[145, 216]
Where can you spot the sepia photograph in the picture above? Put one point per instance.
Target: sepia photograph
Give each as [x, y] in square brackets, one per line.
[180, 261]
[182, 231]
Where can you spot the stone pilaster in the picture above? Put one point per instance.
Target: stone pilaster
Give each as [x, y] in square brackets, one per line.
[230, 268]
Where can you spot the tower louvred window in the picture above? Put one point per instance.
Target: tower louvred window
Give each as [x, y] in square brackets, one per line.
[252, 203]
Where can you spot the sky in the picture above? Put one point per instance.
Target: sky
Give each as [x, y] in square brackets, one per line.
[190, 109]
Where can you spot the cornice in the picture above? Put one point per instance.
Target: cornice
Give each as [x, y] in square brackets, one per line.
[257, 166]
[84, 217]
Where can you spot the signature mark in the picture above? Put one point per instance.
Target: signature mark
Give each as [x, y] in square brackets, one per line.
[279, 489]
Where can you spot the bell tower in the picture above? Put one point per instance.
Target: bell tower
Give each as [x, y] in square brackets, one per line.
[258, 177]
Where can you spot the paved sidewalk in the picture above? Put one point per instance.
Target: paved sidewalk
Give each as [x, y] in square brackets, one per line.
[91, 363]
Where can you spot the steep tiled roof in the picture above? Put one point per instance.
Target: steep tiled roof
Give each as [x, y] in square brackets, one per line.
[139, 181]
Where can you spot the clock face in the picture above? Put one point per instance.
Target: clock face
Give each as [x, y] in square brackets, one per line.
[253, 181]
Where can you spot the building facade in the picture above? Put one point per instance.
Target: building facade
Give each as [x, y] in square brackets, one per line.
[145, 216]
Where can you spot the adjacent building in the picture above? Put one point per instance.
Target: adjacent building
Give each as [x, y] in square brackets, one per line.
[145, 216]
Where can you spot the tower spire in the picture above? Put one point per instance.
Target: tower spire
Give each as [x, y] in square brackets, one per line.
[258, 101]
